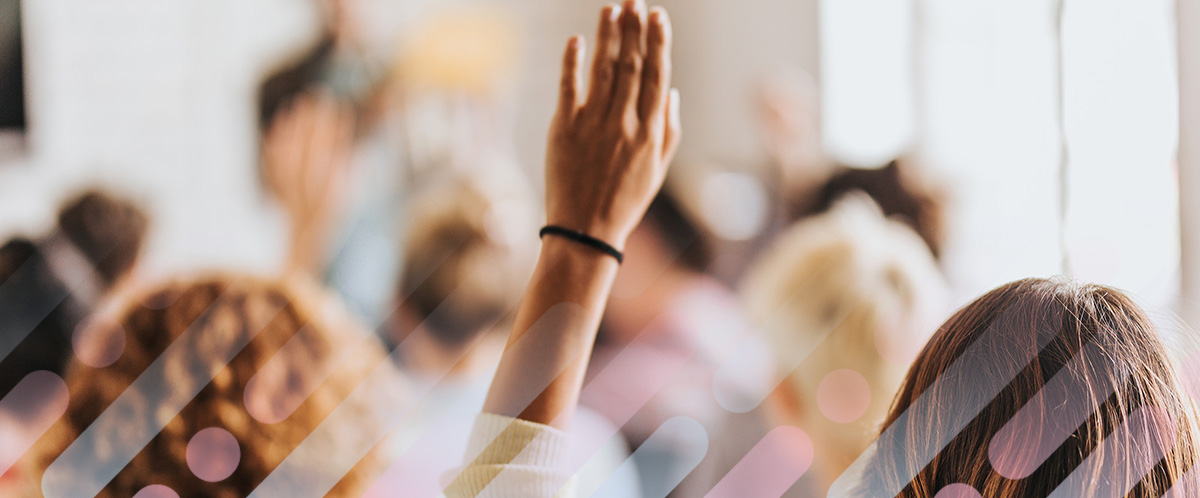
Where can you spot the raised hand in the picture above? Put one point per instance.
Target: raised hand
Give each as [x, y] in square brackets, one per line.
[609, 148]
[606, 159]
[305, 165]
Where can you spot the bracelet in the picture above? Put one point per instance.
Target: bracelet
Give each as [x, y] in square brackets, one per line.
[584, 239]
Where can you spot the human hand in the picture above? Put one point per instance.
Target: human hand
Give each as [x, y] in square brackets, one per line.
[305, 165]
[608, 150]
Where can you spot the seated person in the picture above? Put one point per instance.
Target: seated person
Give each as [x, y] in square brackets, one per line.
[48, 286]
[667, 330]
[211, 384]
[898, 188]
[1038, 388]
[607, 156]
[845, 299]
[461, 280]
[806, 181]
[51, 284]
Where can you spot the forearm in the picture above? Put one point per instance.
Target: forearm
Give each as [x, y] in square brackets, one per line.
[308, 249]
[541, 372]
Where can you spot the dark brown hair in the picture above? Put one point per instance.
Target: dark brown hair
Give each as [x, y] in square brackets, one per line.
[458, 277]
[898, 189]
[39, 308]
[1036, 329]
[107, 230]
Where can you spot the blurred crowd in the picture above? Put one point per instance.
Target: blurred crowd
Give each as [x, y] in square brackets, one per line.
[357, 369]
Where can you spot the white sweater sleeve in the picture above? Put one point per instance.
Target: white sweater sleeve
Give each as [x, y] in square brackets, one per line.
[509, 457]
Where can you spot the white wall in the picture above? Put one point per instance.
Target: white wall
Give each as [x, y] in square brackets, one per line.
[154, 98]
[1188, 12]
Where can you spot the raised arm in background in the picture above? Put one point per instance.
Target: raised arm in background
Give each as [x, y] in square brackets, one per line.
[306, 166]
[608, 151]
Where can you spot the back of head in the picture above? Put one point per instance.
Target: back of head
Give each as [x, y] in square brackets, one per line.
[106, 230]
[681, 237]
[1039, 386]
[258, 360]
[462, 270]
[846, 293]
[52, 284]
[900, 192]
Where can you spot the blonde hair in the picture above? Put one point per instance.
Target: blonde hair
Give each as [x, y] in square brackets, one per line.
[468, 255]
[292, 326]
[847, 289]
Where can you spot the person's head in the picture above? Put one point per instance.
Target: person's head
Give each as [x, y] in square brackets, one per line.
[106, 230]
[1039, 385]
[463, 269]
[673, 233]
[844, 300]
[899, 190]
[55, 282]
[275, 354]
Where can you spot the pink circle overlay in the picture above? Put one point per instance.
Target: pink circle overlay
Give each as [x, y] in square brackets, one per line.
[98, 343]
[958, 491]
[213, 454]
[156, 491]
[843, 396]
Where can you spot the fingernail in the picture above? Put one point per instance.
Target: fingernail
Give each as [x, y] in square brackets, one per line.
[660, 15]
[573, 43]
[612, 12]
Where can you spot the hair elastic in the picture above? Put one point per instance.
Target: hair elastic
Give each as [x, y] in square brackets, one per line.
[584, 239]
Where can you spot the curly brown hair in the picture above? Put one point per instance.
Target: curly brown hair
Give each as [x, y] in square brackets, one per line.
[294, 347]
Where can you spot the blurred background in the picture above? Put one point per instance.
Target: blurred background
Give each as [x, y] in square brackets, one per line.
[1052, 125]
[393, 151]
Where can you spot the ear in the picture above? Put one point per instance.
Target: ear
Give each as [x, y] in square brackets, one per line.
[785, 405]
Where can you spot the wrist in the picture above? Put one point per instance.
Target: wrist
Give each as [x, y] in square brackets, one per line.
[583, 239]
[599, 230]
[575, 254]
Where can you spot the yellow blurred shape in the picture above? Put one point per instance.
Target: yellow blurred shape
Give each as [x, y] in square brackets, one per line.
[465, 49]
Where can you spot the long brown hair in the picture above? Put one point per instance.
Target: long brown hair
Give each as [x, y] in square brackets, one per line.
[1020, 338]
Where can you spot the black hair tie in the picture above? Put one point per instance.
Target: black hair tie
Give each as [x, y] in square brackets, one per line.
[584, 239]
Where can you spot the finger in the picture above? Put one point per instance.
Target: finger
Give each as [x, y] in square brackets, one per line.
[329, 126]
[656, 75]
[303, 123]
[337, 170]
[674, 129]
[283, 151]
[629, 63]
[572, 78]
[608, 44]
[320, 128]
